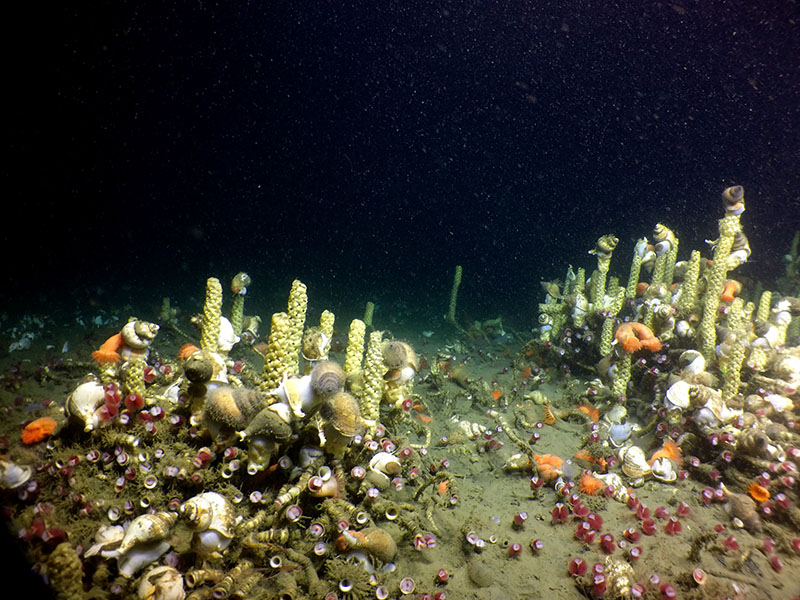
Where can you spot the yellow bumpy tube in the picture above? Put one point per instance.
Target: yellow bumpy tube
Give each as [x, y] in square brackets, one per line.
[451, 310]
[607, 336]
[326, 322]
[239, 288]
[212, 313]
[374, 370]
[764, 306]
[603, 249]
[355, 347]
[369, 311]
[733, 366]
[298, 304]
[728, 226]
[688, 296]
[620, 385]
[278, 352]
[132, 373]
[636, 268]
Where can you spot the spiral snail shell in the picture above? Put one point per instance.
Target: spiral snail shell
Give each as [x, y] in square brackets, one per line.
[327, 378]
[605, 246]
[343, 414]
[733, 200]
[146, 529]
[138, 335]
[212, 518]
[316, 344]
[234, 407]
[398, 355]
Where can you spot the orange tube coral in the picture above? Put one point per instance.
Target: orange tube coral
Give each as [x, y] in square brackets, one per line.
[634, 336]
[109, 351]
[38, 430]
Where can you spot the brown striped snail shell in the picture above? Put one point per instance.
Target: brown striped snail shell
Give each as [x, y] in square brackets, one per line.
[343, 414]
[327, 378]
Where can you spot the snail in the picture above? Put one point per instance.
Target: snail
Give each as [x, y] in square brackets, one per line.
[211, 517]
[83, 402]
[143, 542]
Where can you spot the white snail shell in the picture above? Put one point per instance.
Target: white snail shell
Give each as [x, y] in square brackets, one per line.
[82, 403]
[161, 583]
[138, 335]
[297, 393]
[385, 463]
[212, 517]
[108, 539]
[664, 470]
[146, 529]
[12, 475]
[634, 462]
[677, 395]
[227, 336]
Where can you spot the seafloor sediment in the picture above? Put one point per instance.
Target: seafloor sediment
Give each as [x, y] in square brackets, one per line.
[641, 442]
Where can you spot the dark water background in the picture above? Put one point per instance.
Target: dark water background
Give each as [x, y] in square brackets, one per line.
[368, 147]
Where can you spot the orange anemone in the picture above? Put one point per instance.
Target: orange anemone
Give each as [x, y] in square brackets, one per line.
[731, 289]
[109, 351]
[549, 466]
[669, 450]
[758, 492]
[590, 485]
[496, 394]
[641, 287]
[590, 411]
[186, 351]
[633, 336]
[38, 430]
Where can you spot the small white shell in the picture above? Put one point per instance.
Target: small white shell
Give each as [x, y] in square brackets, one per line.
[107, 538]
[779, 403]
[227, 336]
[695, 363]
[385, 463]
[677, 396]
[12, 475]
[297, 393]
[161, 583]
[721, 411]
[664, 470]
[616, 414]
